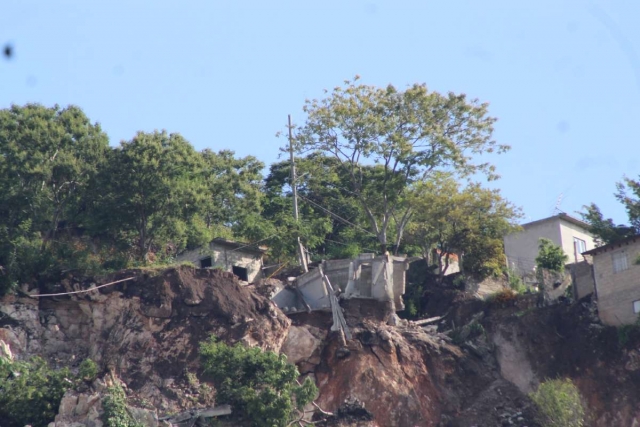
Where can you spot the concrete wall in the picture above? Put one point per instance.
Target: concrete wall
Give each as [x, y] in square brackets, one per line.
[583, 279]
[225, 257]
[617, 291]
[568, 231]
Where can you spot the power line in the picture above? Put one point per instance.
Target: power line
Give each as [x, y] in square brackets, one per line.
[336, 216]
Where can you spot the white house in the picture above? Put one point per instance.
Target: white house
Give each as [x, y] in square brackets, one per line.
[243, 260]
[521, 247]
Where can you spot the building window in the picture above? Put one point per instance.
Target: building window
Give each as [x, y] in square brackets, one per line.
[580, 245]
[636, 306]
[205, 262]
[242, 273]
[619, 262]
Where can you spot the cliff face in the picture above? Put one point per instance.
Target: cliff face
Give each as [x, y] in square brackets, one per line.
[146, 332]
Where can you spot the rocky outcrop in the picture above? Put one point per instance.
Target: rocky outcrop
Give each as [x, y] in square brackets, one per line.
[147, 330]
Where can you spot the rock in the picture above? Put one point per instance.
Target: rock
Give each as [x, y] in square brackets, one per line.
[300, 344]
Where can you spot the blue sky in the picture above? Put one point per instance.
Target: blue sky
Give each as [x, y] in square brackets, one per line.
[562, 76]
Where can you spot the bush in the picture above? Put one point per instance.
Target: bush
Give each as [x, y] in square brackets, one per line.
[30, 392]
[88, 370]
[550, 256]
[259, 384]
[559, 403]
[515, 282]
[115, 413]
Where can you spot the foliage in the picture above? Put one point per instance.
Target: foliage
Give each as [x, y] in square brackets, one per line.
[30, 392]
[259, 384]
[468, 223]
[559, 403]
[605, 230]
[49, 158]
[550, 256]
[628, 333]
[88, 370]
[515, 282]
[402, 137]
[156, 195]
[115, 412]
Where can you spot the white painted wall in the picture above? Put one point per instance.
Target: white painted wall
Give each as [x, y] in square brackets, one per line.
[225, 257]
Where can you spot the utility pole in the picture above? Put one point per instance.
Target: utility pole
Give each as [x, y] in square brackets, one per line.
[302, 258]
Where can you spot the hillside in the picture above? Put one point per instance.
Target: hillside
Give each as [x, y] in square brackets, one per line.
[146, 331]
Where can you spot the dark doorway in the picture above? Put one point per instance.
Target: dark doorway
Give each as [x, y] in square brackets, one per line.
[205, 262]
[241, 272]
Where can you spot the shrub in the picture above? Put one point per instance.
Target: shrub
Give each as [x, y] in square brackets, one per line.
[115, 413]
[259, 384]
[559, 403]
[502, 297]
[550, 256]
[515, 282]
[88, 370]
[30, 392]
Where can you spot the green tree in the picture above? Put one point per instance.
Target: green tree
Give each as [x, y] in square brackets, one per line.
[407, 135]
[467, 222]
[324, 199]
[259, 384]
[153, 190]
[30, 392]
[234, 193]
[550, 256]
[49, 158]
[559, 403]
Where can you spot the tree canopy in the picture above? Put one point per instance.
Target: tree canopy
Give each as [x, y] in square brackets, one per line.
[386, 140]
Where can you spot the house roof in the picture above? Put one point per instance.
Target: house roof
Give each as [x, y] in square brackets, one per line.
[562, 216]
[240, 246]
[605, 248]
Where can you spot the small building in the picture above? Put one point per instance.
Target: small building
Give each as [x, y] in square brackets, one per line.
[616, 273]
[571, 234]
[243, 260]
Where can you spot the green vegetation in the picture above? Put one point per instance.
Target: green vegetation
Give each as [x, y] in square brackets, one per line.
[515, 282]
[371, 161]
[559, 403]
[385, 142]
[30, 392]
[115, 413]
[88, 370]
[550, 256]
[259, 385]
[605, 230]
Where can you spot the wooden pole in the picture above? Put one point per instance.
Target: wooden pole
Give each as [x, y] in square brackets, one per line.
[302, 258]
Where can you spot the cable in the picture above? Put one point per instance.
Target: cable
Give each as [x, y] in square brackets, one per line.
[337, 216]
[82, 291]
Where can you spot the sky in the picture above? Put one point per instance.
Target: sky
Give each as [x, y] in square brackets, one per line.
[561, 76]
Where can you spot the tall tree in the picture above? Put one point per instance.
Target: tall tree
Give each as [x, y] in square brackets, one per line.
[407, 134]
[48, 160]
[152, 191]
[466, 222]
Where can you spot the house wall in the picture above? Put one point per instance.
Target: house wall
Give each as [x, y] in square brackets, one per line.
[225, 257]
[617, 291]
[583, 279]
[521, 248]
[568, 231]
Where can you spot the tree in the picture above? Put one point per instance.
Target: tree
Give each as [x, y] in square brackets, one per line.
[49, 158]
[467, 222]
[234, 193]
[605, 230]
[323, 198]
[260, 385]
[407, 135]
[153, 189]
[550, 256]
